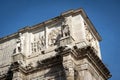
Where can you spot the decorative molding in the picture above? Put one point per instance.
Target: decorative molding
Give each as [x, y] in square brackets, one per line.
[43, 64]
[58, 18]
[90, 53]
[54, 43]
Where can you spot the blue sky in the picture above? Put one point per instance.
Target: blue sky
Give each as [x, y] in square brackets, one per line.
[104, 14]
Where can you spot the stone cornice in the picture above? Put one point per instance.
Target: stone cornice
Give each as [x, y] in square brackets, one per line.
[84, 15]
[46, 63]
[90, 53]
[58, 18]
[91, 26]
[14, 35]
[78, 54]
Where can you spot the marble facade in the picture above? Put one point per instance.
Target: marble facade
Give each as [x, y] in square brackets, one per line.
[63, 48]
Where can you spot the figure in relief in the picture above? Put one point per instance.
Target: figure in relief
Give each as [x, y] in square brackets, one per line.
[65, 27]
[52, 37]
[66, 31]
[90, 38]
[38, 44]
[20, 42]
[42, 41]
[88, 33]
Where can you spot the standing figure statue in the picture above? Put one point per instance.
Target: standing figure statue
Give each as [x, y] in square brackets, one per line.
[66, 31]
[42, 41]
[20, 42]
[65, 26]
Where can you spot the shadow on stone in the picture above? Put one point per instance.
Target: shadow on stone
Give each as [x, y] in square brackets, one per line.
[9, 75]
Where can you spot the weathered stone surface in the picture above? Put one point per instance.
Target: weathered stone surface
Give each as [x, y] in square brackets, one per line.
[63, 48]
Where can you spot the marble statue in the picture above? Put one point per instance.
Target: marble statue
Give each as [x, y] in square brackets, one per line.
[20, 42]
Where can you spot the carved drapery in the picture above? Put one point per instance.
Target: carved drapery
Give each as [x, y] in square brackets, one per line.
[54, 37]
[38, 44]
[66, 30]
[66, 27]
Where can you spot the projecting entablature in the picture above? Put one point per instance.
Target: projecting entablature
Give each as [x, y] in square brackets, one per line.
[63, 42]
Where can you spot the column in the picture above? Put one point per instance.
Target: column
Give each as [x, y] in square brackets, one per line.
[68, 67]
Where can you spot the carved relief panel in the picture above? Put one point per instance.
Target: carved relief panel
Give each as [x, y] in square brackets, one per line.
[91, 38]
[53, 37]
[38, 41]
[54, 34]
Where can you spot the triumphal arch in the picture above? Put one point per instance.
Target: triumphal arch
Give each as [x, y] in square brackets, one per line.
[63, 48]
